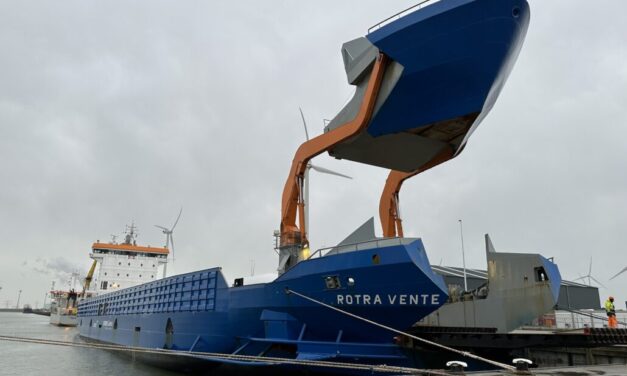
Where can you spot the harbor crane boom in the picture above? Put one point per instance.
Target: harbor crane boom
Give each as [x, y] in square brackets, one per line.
[88, 278]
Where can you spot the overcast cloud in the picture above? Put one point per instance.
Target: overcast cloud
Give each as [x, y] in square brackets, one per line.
[118, 111]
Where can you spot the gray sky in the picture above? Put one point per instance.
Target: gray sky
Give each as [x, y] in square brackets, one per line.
[117, 111]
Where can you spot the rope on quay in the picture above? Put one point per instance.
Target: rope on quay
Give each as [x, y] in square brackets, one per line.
[242, 358]
[426, 341]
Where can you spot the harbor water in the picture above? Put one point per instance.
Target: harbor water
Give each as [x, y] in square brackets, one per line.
[20, 359]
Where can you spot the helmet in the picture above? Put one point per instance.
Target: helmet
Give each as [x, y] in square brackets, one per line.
[611, 298]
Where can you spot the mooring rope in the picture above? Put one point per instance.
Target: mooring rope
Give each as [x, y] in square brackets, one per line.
[242, 358]
[426, 341]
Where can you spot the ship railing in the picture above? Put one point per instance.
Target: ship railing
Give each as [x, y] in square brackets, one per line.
[368, 244]
[401, 14]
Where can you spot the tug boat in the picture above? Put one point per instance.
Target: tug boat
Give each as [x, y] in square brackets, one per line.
[63, 308]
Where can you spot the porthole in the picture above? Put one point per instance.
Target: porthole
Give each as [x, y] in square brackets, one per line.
[516, 12]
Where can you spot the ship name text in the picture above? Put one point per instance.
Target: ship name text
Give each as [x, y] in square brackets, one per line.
[391, 299]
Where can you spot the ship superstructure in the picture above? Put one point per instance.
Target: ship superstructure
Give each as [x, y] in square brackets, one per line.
[121, 265]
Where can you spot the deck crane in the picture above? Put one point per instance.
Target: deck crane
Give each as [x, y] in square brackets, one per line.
[88, 278]
[293, 238]
[411, 110]
[389, 205]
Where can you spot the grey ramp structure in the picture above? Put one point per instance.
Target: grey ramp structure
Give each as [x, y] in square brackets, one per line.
[394, 151]
[517, 290]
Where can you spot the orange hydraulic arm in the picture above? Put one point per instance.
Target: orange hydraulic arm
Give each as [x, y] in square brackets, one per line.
[388, 205]
[292, 200]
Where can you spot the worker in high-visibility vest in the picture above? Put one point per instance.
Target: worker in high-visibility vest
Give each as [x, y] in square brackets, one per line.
[611, 313]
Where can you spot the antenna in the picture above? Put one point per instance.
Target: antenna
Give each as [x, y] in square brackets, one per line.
[169, 238]
[130, 234]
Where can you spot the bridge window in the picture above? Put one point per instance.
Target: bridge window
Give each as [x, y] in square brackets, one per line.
[540, 274]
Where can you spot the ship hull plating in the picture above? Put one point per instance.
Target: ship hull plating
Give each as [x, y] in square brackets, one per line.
[199, 312]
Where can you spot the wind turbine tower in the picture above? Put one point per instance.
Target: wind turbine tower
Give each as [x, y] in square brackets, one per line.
[169, 238]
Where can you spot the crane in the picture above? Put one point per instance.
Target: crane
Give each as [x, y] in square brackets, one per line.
[88, 278]
[293, 238]
[389, 204]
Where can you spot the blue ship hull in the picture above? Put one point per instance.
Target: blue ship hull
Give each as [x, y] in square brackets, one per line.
[448, 63]
[456, 55]
[199, 312]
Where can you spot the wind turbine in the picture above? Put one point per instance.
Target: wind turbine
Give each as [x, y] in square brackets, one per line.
[169, 239]
[616, 275]
[589, 276]
[319, 169]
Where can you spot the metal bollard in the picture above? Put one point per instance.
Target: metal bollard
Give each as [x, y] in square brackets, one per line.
[456, 366]
[522, 364]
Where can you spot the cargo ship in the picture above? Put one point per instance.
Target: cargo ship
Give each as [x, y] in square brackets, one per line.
[424, 78]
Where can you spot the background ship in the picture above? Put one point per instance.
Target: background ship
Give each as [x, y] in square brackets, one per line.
[424, 82]
[63, 308]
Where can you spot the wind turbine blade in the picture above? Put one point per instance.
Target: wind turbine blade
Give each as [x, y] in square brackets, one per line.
[577, 279]
[161, 227]
[619, 273]
[172, 243]
[177, 219]
[330, 172]
[595, 280]
[590, 267]
[304, 123]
